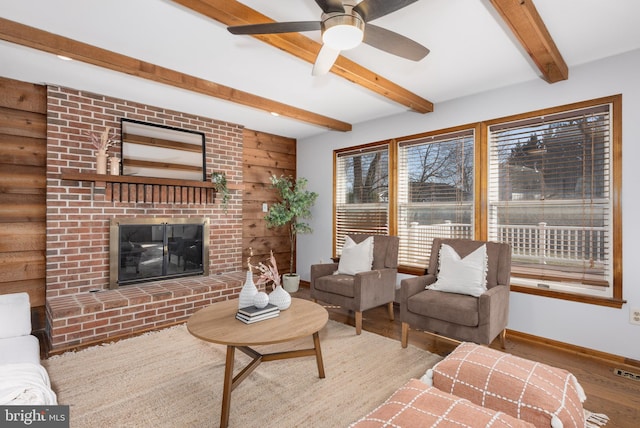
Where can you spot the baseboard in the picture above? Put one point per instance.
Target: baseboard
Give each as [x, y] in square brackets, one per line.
[566, 347]
[574, 349]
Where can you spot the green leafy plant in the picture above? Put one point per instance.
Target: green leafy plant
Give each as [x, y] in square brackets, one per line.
[295, 204]
[219, 180]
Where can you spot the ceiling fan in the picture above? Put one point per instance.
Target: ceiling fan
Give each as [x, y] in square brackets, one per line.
[344, 25]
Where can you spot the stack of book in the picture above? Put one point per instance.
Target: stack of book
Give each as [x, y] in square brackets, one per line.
[251, 314]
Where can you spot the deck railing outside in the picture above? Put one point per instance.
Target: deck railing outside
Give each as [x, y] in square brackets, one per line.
[531, 244]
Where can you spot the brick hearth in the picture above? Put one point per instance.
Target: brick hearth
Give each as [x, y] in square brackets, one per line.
[80, 307]
[97, 316]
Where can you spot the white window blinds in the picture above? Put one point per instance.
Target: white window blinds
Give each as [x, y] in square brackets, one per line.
[362, 193]
[550, 197]
[435, 193]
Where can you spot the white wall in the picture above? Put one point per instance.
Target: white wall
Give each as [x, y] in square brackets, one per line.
[590, 326]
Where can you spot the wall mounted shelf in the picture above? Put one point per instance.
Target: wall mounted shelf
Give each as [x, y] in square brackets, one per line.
[127, 188]
[130, 179]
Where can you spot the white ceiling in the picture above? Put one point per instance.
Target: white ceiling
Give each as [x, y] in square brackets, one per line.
[472, 51]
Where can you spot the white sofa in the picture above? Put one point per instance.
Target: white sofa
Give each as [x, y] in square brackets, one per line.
[23, 380]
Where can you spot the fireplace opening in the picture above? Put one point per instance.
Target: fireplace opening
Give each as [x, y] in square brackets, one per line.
[150, 249]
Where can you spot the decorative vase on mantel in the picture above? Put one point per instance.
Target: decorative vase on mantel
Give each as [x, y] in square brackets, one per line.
[101, 162]
[114, 165]
[248, 292]
[280, 298]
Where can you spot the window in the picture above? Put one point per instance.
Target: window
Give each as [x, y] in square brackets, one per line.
[435, 193]
[361, 193]
[547, 182]
[550, 195]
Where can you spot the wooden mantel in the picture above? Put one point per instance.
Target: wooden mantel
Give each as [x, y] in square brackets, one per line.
[131, 179]
[135, 189]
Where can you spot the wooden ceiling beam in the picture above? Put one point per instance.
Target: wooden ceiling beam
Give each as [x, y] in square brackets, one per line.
[527, 25]
[31, 37]
[231, 12]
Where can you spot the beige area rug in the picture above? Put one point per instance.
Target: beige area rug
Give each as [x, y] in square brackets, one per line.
[171, 379]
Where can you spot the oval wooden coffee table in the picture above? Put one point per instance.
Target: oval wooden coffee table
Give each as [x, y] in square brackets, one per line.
[217, 324]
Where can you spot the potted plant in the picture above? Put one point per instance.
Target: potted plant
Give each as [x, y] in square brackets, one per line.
[219, 180]
[295, 204]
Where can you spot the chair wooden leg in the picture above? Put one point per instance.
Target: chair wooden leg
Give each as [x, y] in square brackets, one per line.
[391, 311]
[358, 322]
[405, 334]
[503, 337]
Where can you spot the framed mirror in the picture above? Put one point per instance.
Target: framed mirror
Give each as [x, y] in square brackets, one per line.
[150, 150]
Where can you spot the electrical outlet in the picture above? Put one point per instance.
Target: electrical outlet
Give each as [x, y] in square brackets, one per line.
[634, 316]
[265, 207]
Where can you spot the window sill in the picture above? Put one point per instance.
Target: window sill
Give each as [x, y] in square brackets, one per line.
[554, 294]
[574, 297]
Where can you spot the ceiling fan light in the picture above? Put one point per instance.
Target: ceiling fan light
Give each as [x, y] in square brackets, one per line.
[343, 32]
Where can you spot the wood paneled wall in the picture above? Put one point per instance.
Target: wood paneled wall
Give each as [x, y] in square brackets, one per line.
[264, 155]
[23, 188]
[23, 131]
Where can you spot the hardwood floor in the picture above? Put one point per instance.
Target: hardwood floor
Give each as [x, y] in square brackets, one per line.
[615, 396]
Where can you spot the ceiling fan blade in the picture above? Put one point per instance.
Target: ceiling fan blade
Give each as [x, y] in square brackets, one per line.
[394, 43]
[324, 61]
[330, 6]
[275, 27]
[373, 9]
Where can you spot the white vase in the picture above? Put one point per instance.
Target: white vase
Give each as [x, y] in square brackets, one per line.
[114, 165]
[261, 300]
[248, 292]
[280, 298]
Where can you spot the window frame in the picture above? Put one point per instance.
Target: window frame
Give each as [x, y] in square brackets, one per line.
[481, 192]
[366, 148]
[476, 130]
[615, 101]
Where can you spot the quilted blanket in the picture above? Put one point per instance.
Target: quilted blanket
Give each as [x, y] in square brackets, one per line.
[25, 384]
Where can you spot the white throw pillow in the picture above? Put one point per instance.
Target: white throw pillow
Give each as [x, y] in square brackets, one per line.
[15, 315]
[356, 258]
[462, 276]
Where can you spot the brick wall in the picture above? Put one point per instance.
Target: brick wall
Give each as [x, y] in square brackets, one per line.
[80, 307]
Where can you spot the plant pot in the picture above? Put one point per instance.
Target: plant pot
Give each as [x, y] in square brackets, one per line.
[291, 282]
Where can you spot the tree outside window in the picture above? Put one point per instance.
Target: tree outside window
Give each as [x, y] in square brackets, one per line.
[435, 192]
[362, 193]
[549, 197]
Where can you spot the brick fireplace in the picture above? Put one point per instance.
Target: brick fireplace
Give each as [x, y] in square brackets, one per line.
[81, 308]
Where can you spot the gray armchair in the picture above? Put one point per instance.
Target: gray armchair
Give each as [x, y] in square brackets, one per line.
[363, 290]
[458, 316]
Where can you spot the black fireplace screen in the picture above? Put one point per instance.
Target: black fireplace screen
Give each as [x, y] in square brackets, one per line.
[158, 250]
